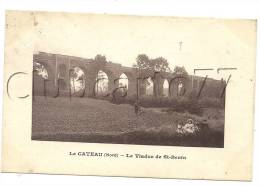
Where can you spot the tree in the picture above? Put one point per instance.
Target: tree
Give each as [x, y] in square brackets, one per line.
[160, 64]
[147, 68]
[99, 62]
[151, 65]
[180, 71]
[100, 59]
[142, 61]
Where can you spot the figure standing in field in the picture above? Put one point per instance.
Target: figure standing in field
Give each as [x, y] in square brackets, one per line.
[137, 108]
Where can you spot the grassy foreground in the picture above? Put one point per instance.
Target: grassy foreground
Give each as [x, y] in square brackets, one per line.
[99, 121]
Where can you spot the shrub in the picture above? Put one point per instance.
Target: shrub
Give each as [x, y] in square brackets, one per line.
[175, 104]
[207, 102]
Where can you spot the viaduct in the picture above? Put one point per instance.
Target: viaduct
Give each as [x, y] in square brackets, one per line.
[58, 67]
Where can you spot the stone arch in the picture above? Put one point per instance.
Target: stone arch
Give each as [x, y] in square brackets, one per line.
[102, 83]
[112, 76]
[123, 81]
[132, 82]
[166, 88]
[122, 84]
[177, 86]
[47, 67]
[77, 79]
[87, 79]
[40, 70]
[149, 86]
[92, 71]
[43, 78]
[180, 88]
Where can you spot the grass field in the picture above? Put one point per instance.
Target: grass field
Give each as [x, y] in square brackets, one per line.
[99, 121]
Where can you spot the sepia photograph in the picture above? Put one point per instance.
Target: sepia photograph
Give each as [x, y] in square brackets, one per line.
[96, 100]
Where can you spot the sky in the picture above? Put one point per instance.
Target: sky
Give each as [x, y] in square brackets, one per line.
[192, 43]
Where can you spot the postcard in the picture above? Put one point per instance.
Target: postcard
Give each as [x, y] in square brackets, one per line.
[135, 96]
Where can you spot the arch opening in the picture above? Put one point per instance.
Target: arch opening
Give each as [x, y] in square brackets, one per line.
[149, 86]
[40, 69]
[101, 86]
[180, 88]
[77, 80]
[123, 82]
[165, 88]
